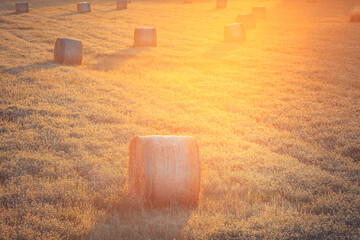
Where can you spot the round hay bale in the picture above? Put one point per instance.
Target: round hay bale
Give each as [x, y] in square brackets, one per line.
[68, 51]
[248, 19]
[22, 7]
[83, 7]
[121, 4]
[145, 37]
[188, 1]
[355, 15]
[234, 32]
[165, 169]
[221, 3]
[259, 12]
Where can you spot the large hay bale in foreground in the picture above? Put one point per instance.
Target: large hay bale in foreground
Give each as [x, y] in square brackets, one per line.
[22, 7]
[165, 169]
[248, 19]
[68, 51]
[259, 12]
[83, 7]
[355, 15]
[234, 32]
[221, 3]
[145, 37]
[121, 4]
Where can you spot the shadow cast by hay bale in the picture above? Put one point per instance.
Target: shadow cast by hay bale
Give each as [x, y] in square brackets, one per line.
[165, 223]
[33, 67]
[110, 61]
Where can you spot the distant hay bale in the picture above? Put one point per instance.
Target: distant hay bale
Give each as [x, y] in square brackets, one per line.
[311, 1]
[83, 7]
[355, 15]
[221, 3]
[234, 32]
[259, 12]
[248, 19]
[121, 4]
[22, 7]
[68, 51]
[188, 1]
[165, 169]
[145, 37]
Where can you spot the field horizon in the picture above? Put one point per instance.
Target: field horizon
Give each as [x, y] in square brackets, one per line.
[276, 119]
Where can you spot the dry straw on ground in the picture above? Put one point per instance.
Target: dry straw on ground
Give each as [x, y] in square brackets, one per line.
[165, 169]
[121, 4]
[83, 7]
[68, 51]
[248, 19]
[234, 32]
[259, 12]
[145, 37]
[22, 7]
[355, 15]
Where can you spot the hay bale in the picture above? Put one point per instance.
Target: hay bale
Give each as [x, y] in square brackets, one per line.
[165, 169]
[221, 3]
[145, 37]
[188, 1]
[234, 32]
[68, 51]
[259, 12]
[22, 7]
[121, 4]
[248, 19]
[355, 15]
[83, 7]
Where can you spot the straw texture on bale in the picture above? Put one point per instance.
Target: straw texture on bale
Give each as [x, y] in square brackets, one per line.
[248, 19]
[221, 3]
[234, 32]
[165, 169]
[355, 15]
[68, 51]
[22, 7]
[83, 7]
[145, 37]
[259, 12]
[121, 4]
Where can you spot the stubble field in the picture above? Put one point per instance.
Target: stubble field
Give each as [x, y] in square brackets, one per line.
[277, 120]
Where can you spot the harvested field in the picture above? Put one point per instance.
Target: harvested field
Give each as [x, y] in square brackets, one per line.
[276, 119]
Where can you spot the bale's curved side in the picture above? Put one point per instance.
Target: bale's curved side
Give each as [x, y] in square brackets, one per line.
[68, 51]
[259, 12]
[221, 3]
[83, 7]
[234, 32]
[121, 4]
[145, 37]
[169, 165]
[22, 7]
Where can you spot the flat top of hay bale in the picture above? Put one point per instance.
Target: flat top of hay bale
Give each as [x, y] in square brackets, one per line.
[233, 24]
[70, 39]
[245, 14]
[145, 28]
